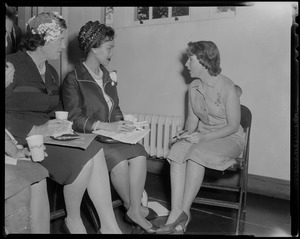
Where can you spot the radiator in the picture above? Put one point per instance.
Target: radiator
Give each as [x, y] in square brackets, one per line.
[162, 129]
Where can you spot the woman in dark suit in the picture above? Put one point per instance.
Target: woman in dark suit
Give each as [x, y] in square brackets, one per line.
[90, 95]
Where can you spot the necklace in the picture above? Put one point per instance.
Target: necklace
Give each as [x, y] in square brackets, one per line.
[43, 69]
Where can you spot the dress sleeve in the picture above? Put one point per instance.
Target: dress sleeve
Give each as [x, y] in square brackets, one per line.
[117, 113]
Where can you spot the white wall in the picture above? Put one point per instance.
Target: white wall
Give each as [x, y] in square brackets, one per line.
[255, 54]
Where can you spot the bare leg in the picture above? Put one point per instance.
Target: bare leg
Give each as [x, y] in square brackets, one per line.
[73, 194]
[120, 180]
[39, 207]
[178, 174]
[138, 173]
[100, 194]
[194, 178]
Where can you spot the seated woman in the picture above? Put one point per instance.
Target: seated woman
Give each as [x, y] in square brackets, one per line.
[214, 138]
[31, 100]
[90, 96]
[26, 198]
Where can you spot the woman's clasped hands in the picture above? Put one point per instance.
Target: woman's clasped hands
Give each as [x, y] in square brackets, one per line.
[53, 126]
[193, 138]
[122, 126]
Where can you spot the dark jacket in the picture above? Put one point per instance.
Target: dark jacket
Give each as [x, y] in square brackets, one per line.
[84, 100]
[28, 100]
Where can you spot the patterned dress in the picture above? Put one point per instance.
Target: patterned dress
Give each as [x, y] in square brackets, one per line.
[208, 105]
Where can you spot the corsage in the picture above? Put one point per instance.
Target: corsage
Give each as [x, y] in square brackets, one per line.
[114, 78]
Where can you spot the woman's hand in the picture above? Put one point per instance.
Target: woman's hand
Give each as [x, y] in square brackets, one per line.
[121, 126]
[25, 153]
[52, 127]
[194, 138]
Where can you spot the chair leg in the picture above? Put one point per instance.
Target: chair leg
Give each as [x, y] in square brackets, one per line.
[242, 184]
[245, 194]
[56, 213]
[91, 211]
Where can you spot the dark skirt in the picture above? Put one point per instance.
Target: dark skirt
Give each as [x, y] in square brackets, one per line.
[65, 163]
[118, 152]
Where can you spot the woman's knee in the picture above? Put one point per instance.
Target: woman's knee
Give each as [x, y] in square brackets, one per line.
[100, 155]
[89, 165]
[120, 168]
[138, 160]
[39, 188]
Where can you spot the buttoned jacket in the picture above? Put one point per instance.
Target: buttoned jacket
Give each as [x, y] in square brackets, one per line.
[84, 100]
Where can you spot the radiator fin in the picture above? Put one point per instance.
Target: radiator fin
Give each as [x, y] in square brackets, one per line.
[162, 129]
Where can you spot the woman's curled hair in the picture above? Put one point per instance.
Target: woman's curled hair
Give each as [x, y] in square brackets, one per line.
[208, 55]
[42, 28]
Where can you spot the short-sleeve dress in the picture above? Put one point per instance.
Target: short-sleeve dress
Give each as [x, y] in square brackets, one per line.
[208, 101]
[29, 101]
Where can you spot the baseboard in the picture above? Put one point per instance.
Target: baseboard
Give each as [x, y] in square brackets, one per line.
[273, 187]
[262, 185]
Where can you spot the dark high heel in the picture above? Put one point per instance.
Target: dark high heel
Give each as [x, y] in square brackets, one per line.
[171, 228]
[151, 230]
[151, 215]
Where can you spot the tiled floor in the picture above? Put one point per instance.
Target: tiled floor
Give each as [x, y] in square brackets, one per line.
[268, 217]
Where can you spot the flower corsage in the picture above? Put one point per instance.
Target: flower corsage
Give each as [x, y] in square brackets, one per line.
[114, 78]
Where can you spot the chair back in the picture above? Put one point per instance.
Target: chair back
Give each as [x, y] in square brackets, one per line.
[246, 117]
[246, 120]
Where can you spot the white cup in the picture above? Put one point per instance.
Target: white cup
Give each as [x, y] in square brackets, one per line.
[62, 115]
[36, 147]
[130, 118]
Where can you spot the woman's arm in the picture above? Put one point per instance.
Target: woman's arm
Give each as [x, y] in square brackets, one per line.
[72, 103]
[192, 120]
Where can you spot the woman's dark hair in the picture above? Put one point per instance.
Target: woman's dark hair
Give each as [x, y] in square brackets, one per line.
[32, 40]
[93, 34]
[208, 55]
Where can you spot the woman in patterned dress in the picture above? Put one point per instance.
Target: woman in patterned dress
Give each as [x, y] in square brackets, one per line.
[214, 136]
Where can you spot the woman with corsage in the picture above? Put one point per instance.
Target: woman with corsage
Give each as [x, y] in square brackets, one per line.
[31, 100]
[214, 136]
[90, 95]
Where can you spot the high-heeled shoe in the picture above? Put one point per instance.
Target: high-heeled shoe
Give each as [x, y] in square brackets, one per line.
[151, 215]
[150, 230]
[171, 228]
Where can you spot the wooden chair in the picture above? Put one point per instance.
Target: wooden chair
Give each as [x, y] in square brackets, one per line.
[239, 169]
